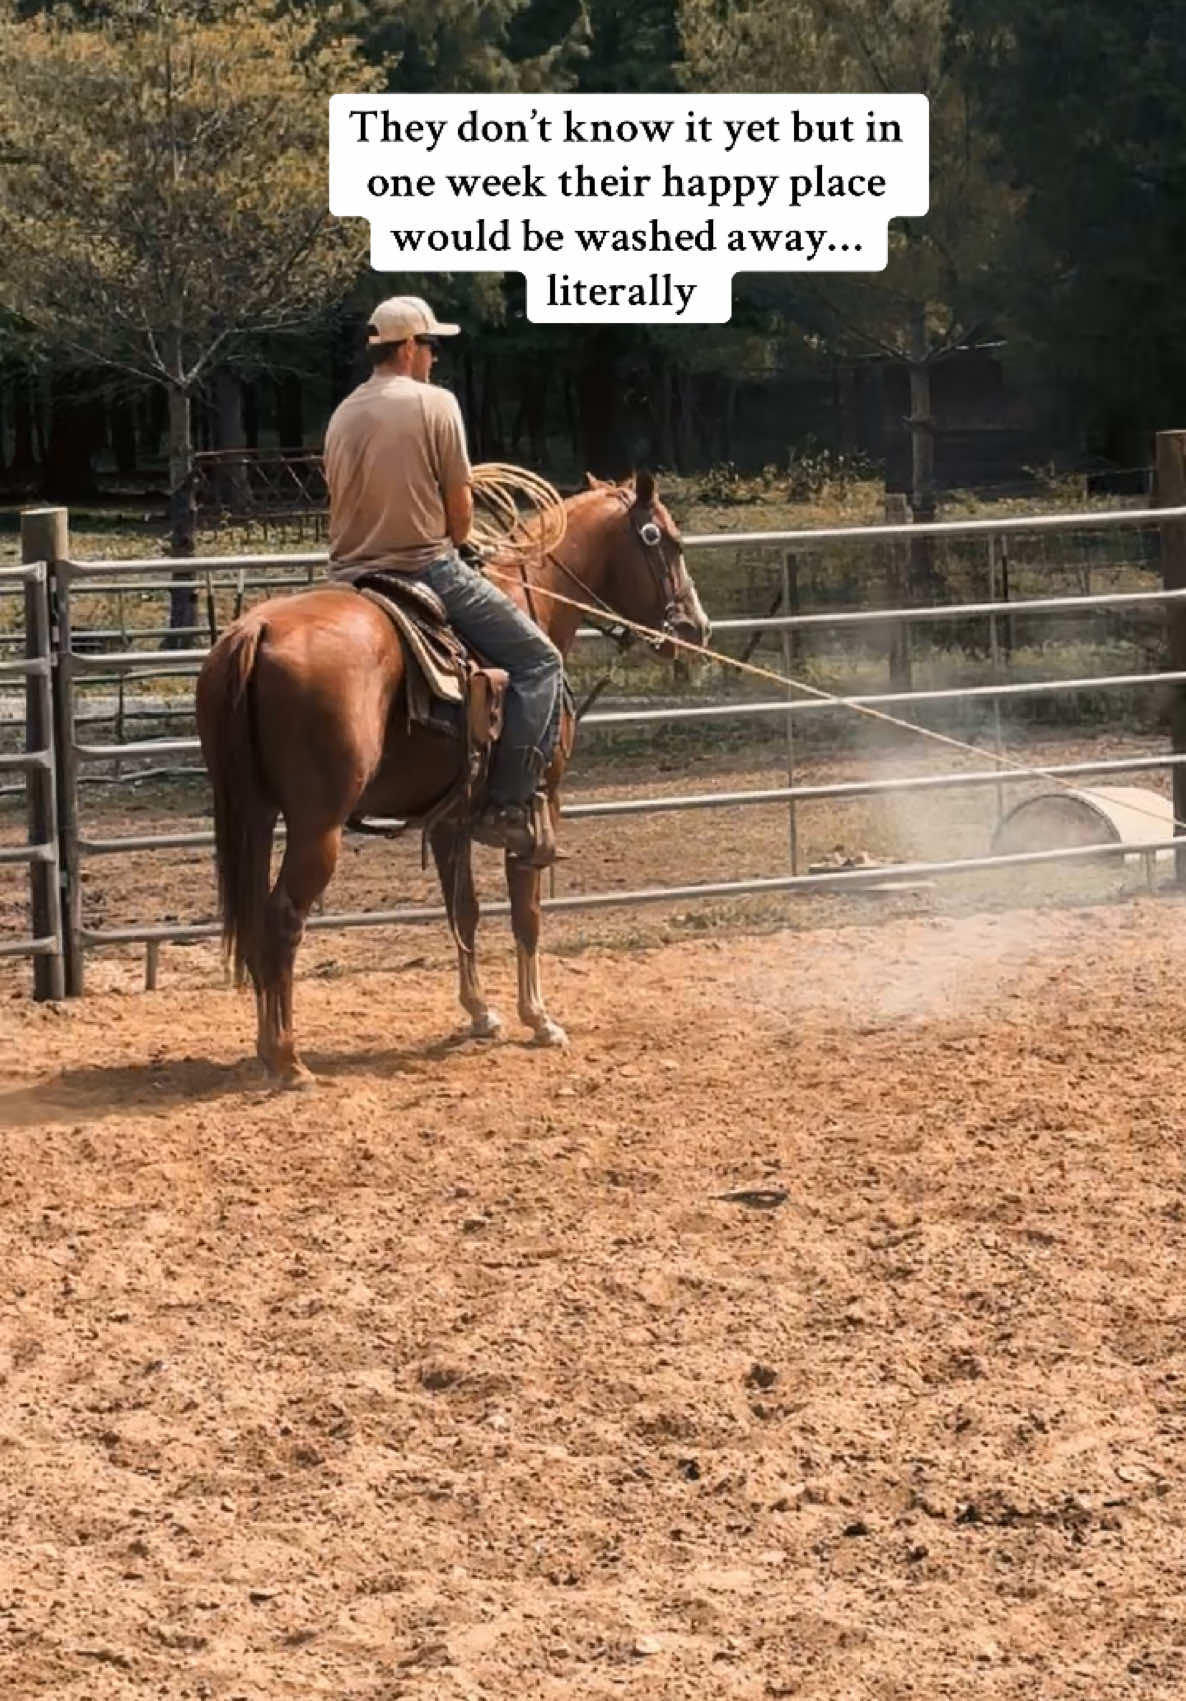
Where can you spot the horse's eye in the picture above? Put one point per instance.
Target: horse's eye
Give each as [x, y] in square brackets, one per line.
[650, 534]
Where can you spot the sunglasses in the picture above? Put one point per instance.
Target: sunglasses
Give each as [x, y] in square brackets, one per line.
[434, 343]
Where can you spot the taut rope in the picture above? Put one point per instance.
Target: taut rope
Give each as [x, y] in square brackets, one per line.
[755, 671]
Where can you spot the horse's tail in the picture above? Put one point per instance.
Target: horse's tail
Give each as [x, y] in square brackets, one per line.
[244, 817]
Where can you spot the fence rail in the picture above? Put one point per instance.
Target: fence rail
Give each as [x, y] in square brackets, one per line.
[65, 756]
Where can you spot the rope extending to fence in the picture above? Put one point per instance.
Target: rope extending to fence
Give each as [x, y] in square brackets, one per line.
[753, 669]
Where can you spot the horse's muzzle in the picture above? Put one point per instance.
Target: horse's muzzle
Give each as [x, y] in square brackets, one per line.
[690, 629]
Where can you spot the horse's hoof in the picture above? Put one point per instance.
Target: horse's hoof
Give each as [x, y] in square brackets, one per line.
[549, 1033]
[486, 1026]
[293, 1078]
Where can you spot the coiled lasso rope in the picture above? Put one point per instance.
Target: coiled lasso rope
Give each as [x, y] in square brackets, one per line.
[501, 527]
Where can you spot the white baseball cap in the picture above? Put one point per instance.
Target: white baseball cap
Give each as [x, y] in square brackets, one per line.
[404, 316]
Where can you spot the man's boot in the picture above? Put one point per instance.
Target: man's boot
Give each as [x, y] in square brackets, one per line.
[523, 830]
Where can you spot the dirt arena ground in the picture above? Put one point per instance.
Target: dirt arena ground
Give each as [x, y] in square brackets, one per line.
[813, 1326]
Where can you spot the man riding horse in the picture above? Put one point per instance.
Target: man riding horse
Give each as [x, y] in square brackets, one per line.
[398, 473]
[323, 708]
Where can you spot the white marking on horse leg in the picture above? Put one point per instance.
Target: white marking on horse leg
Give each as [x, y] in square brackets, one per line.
[484, 1022]
[531, 1001]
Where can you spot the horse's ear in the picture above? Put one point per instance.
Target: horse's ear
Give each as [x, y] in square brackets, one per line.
[592, 483]
[644, 487]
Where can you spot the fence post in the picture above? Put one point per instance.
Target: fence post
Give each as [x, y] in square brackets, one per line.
[1171, 493]
[47, 532]
[45, 905]
[900, 671]
[1010, 640]
[790, 605]
[994, 650]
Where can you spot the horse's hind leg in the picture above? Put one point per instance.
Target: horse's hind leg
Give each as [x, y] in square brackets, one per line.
[305, 872]
[523, 883]
[452, 853]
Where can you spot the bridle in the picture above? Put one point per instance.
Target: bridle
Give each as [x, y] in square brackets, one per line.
[669, 580]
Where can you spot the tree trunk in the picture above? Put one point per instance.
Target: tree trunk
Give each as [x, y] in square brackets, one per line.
[572, 418]
[250, 401]
[343, 360]
[729, 419]
[537, 418]
[490, 422]
[597, 395]
[896, 595]
[183, 601]
[290, 412]
[121, 423]
[662, 446]
[151, 418]
[67, 474]
[680, 422]
[40, 434]
[230, 484]
[519, 426]
[469, 398]
[23, 459]
[924, 579]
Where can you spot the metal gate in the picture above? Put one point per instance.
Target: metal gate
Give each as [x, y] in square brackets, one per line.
[43, 942]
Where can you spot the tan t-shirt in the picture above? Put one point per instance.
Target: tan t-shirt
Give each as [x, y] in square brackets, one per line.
[391, 450]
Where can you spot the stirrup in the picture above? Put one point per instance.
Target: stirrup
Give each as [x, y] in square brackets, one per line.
[505, 827]
[544, 851]
[523, 831]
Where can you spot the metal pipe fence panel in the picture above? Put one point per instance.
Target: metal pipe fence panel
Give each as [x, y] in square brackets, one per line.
[82, 667]
[851, 878]
[739, 710]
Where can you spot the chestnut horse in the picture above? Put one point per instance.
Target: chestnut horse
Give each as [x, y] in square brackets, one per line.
[301, 715]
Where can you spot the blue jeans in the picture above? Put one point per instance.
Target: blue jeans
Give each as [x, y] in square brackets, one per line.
[490, 622]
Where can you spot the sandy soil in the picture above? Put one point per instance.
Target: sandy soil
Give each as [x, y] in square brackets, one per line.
[464, 1375]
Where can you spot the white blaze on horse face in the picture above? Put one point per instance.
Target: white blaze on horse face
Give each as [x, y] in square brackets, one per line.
[689, 603]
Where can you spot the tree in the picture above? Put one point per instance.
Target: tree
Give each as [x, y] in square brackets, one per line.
[1100, 250]
[455, 46]
[163, 190]
[940, 284]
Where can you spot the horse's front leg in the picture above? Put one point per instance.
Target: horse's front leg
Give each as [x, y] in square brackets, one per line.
[452, 854]
[523, 884]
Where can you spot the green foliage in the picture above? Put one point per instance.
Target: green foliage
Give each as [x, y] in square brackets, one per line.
[940, 276]
[163, 188]
[633, 47]
[813, 473]
[454, 46]
[1088, 101]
